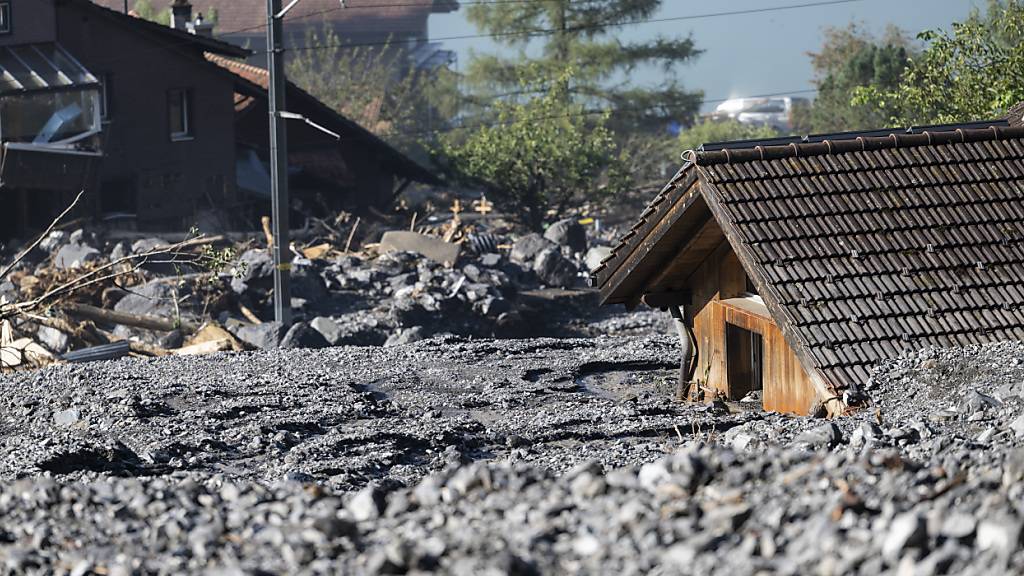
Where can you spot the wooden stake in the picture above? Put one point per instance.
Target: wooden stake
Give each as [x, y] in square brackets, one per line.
[351, 234]
[266, 231]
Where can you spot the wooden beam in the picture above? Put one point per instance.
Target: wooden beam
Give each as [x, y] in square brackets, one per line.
[663, 300]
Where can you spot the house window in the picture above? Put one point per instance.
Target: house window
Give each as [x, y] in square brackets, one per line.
[744, 361]
[5, 17]
[179, 109]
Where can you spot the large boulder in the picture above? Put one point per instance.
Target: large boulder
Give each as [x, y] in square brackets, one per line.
[554, 269]
[302, 335]
[595, 256]
[526, 248]
[266, 336]
[569, 233]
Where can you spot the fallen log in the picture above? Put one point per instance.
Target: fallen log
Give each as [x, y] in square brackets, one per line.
[125, 319]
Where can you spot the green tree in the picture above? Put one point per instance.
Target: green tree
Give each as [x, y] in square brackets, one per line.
[144, 9]
[974, 72]
[376, 87]
[537, 157]
[709, 130]
[552, 36]
[851, 58]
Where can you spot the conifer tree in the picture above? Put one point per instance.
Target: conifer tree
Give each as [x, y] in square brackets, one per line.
[552, 36]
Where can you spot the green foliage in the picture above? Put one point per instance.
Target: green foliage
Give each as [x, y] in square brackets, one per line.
[585, 37]
[852, 58]
[375, 86]
[976, 72]
[538, 156]
[145, 10]
[722, 131]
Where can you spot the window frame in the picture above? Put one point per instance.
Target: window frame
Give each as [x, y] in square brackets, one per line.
[5, 16]
[106, 99]
[185, 101]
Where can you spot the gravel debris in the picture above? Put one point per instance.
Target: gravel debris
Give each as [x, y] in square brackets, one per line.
[468, 456]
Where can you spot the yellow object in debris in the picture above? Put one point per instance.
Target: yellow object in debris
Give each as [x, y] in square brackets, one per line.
[586, 221]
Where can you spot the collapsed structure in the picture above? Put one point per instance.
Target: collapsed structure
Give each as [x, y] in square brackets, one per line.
[794, 265]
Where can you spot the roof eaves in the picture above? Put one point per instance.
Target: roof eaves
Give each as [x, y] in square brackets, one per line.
[185, 39]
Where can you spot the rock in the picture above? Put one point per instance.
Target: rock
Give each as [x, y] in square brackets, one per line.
[119, 251]
[147, 245]
[428, 246]
[327, 328]
[254, 264]
[908, 530]
[554, 269]
[958, 526]
[71, 256]
[490, 260]
[157, 298]
[54, 340]
[526, 248]
[66, 417]
[368, 504]
[53, 241]
[1002, 535]
[826, 435]
[302, 335]
[595, 256]
[406, 336]
[266, 336]
[1018, 426]
[567, 232]
[307, 284]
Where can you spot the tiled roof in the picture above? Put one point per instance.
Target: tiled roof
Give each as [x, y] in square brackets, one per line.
[250, 16]
[865, 248]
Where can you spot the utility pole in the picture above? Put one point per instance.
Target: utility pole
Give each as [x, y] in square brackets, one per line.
[278, 165]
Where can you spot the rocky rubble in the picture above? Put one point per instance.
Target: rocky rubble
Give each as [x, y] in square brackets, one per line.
[503, 457]
[502, 285]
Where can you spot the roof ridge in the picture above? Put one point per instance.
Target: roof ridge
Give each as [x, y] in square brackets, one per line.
[858, 144]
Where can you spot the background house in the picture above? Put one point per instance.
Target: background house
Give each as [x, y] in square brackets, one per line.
[50, 109]
[167, 113]
[334, 163]
[363, 22]
[801, 263]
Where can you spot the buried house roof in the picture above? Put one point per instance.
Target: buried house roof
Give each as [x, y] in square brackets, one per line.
[861, 247]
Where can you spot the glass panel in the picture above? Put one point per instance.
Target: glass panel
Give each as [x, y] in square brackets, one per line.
[42, 69]
[48, 117]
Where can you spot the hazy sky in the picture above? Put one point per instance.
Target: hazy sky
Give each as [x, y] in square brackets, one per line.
[749, 54]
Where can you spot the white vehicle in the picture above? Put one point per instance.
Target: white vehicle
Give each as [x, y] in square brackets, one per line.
[776, 112]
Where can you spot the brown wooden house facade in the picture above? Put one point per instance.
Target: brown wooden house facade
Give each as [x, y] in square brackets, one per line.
[794, 265]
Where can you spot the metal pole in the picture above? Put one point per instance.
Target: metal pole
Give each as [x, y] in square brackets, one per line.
[278, 166]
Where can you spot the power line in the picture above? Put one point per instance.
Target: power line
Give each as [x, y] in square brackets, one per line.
[550, 31]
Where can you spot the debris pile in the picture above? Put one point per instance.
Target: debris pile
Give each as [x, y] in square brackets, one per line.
[504, 456]
[83, 289]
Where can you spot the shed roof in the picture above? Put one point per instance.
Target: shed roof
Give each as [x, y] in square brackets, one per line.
[862, 248]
